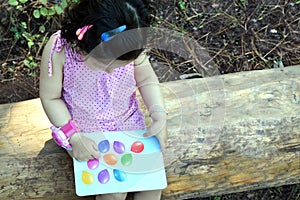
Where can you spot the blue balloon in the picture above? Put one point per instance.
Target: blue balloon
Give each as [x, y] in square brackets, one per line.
[103, 146]
[120, 175]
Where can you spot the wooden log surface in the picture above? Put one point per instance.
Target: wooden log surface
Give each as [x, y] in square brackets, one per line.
[227, 133]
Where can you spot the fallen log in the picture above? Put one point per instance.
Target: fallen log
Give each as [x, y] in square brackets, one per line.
[227, 134]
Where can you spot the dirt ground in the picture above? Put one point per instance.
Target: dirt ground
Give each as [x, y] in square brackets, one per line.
[238, 35]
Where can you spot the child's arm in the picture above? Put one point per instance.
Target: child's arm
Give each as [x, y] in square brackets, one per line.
[51, 86]
[55, 108]
[148, 85]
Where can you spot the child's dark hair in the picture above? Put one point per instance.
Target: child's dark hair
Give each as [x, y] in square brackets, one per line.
[106, 15]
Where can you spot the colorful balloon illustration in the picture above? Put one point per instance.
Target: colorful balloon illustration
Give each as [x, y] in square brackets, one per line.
[137, 147]
[103, 146]
[119, 147]
[103, 176]
[110, 159]
[93, 163]
[126, 159]
[120, 175]
[87, 177]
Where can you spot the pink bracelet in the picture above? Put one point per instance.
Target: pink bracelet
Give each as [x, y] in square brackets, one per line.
[69, 129]
[62, 135]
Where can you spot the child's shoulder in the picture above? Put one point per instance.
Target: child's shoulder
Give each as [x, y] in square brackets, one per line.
[54, 51]
[54, 42]
[142, 59]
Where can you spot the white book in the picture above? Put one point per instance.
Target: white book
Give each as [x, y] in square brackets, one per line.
[129, 162]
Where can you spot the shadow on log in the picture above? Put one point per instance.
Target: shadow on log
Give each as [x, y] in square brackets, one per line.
[227, 134]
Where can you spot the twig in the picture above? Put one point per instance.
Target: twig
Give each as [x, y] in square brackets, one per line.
[218, 53]
[41, 46]
[256, 52]
[168, 23]
[277, 45]
[24, 88]
[8, 55]
[7, 80]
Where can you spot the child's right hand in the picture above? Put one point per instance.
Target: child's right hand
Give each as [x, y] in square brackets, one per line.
[83, 148]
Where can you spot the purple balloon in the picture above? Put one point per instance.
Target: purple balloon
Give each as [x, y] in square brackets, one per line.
[103, 146]
[103, 176]
[119, 147]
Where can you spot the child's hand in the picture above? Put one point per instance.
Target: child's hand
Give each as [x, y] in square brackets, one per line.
[83, 148]
[159, 129]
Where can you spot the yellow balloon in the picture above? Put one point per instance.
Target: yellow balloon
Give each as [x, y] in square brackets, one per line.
[87, 177]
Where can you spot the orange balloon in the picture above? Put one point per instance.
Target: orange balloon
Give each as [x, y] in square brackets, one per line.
[110, 159]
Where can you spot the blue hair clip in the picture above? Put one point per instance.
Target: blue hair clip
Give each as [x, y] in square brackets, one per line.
[108, 35]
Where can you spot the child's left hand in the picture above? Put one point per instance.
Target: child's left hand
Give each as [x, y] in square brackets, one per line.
[159, 129]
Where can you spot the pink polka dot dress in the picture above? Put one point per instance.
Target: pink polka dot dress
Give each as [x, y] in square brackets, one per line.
[98, 101]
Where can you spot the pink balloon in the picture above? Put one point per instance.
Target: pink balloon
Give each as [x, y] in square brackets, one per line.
[93, 163]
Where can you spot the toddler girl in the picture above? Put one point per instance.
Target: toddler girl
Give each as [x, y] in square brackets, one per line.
[86, 86]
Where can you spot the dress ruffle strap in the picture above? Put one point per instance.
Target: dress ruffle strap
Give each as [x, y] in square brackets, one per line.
[57, 46]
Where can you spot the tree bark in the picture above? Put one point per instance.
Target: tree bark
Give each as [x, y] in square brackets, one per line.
[227, 133]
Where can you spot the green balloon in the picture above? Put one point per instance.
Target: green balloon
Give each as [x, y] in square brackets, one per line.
[126, 159]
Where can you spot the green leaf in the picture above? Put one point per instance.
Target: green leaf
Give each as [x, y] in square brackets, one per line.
[23, 25]
[13, 2]
[58, 9]
[14, 29]
[51, 11]
[26, 63]
[182, 5]
[19, 7]
[200, 15]
[43, 2]
[64, 4]
[260, 18]
[42, 29]
[34, 64]
[26, 36]
[30, 44]
[17, 35]
[36, 14]
[44, 11]
[23, 1]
